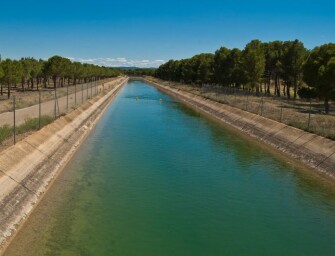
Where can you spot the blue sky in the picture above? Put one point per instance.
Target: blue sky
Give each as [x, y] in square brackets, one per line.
[146, 33]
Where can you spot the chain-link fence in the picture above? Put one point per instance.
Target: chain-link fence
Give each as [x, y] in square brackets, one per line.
[25, 112]
[308, 115]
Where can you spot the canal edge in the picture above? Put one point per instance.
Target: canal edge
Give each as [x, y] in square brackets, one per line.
[42, 156]
[314, 152]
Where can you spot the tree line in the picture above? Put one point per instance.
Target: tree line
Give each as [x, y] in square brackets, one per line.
[280, 68]
[139, 71]
[57, 71]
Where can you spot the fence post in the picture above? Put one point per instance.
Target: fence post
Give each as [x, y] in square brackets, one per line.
[281, 110]
[75, 95]
[247, 101]
[67, 98]
[39, 109]
[309, 114]
[14, 112]
[262, 106]
[55, 103]
[82, 93]
[91, 88]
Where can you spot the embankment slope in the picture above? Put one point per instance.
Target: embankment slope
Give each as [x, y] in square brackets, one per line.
[314, 151]
[28, 168]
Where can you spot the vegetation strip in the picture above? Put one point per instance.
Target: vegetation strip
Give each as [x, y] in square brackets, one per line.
[315, 151]
[288, 65]
[29, 167]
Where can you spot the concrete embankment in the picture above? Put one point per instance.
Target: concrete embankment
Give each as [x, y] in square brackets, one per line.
[310, 149]
[28, 168]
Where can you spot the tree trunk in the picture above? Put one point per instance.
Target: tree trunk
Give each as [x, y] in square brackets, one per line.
[32, 83]
[55, 81]
[295, 88]
[288, 92]
[8, 92]
[22, 82]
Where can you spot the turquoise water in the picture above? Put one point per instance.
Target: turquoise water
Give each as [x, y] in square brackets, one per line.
[156, 178]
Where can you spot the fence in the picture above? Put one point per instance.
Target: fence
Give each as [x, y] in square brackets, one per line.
[307, 115]
[25, 112]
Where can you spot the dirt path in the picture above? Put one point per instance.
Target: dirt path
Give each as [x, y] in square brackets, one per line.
[62, 105]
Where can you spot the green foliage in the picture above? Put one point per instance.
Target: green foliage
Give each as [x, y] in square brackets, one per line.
[13, 71]
[293, 57]
[32, 124]
[2, 73]
[140, 71]
[5, 132]
[307, 93]
[198, 69]
[257, 64]
[319, 72]
[29, 71]
[253, 62]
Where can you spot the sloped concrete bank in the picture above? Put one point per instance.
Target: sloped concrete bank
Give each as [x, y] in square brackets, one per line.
[314, 151]
[28, 168]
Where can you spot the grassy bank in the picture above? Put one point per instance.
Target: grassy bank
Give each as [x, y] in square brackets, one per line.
[31, 124]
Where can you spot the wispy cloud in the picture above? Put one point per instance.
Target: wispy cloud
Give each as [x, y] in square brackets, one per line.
[121, 61]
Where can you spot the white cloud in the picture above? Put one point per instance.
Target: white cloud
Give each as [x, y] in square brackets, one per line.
[120, 61]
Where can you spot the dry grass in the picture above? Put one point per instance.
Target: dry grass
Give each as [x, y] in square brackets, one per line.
[30, 98]
[297, 113]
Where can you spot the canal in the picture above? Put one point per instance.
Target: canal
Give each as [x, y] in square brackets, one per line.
[156, 178]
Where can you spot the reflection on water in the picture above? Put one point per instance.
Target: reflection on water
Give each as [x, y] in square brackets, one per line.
[156, 178]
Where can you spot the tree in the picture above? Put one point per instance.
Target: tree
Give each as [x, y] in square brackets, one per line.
[36, 72]
[222, 72]
[76, 71]
[203, 66]
[319, 72]
[27, 67]
[234, 63]
[294, 55]
[273, 56]
[253, 61]
[57, 68]
[12, 73]
[2, 74]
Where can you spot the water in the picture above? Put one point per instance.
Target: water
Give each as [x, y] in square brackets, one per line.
[155, 178]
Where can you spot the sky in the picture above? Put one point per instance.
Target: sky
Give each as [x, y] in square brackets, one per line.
[148, 33]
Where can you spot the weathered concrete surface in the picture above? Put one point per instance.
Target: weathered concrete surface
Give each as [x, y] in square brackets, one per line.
[28, 168]
[312, 150]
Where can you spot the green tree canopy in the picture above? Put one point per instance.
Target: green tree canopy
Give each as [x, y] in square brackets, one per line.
[319, 72]
[254, 63]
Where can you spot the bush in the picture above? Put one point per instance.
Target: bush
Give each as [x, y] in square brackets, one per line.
[32, 124]
[5, 132]
[307, 93]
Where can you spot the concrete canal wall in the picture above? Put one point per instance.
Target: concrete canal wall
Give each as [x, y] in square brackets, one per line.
[28, 169]
[316, 152]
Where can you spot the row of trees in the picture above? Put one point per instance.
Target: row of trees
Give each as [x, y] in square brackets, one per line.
[274, 68]
[139, 71]
[30, 73]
